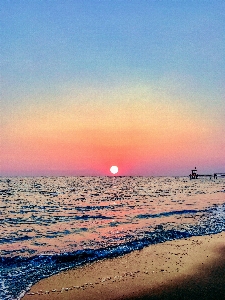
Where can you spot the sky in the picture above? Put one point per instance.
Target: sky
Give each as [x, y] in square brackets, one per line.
[88, 84]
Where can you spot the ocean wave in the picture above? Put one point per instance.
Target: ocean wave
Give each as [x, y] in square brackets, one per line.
[53, 224]
[21, 272]
[169, 213]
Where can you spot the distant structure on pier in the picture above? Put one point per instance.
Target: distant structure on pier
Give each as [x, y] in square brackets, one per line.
[195, 175]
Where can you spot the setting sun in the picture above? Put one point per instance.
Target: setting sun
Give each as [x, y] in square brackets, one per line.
[114, 169]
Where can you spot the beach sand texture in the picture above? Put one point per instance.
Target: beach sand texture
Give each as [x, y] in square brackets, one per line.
[192, 268]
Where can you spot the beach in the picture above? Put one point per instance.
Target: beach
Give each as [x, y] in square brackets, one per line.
[190, 268]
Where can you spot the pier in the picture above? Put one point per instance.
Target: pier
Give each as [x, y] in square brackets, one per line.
[219, 174]
[195, 175]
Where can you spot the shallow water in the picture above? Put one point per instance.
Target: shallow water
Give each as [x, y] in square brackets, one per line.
[53, 223]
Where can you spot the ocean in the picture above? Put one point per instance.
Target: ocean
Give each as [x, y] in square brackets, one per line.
[49, 224]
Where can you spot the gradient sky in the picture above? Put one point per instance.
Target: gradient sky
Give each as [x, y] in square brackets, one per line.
[87, 84]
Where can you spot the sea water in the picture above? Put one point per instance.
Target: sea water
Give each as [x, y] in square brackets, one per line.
[49, 224]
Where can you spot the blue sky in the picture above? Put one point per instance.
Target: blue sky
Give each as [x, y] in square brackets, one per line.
[52, 51]
[65, 40]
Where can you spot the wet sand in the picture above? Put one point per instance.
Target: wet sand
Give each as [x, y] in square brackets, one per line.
[191, 268]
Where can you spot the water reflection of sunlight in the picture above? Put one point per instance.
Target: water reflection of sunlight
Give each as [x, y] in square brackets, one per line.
[69, 211]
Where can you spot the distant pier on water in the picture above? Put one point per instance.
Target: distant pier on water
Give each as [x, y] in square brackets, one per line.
[195, 175]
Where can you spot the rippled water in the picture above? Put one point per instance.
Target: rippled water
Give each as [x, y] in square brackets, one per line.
[53, 223]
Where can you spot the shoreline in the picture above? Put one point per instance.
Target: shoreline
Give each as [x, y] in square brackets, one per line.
[190, 268]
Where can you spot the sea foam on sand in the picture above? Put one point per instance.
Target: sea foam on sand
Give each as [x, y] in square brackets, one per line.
[192, 268]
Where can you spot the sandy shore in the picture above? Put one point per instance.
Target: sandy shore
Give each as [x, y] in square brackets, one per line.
[191, 268]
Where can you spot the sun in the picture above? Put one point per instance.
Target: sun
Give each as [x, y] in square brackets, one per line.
[114, 169]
